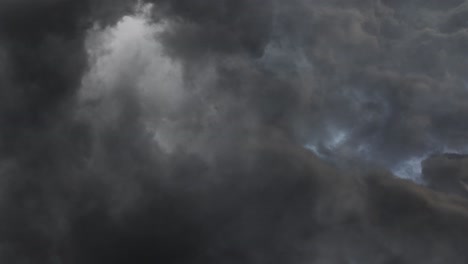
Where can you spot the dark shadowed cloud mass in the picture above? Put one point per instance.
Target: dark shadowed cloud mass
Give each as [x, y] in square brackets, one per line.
[222, 131]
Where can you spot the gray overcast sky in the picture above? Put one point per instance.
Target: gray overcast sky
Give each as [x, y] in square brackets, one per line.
[233, 131]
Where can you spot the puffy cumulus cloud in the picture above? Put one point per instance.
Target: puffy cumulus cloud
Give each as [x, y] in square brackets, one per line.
[174, 131]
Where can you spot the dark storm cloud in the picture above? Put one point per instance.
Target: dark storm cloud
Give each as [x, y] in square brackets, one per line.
[447, 173]
[254, 214]
[43, 59]
[76, 188]
[390, 74]
[209, 26]
[399, 77]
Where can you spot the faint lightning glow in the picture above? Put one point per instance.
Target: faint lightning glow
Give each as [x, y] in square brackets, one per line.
[410, 169]
[129, 60]
[329, 146]
[336, 140]
[315, 150]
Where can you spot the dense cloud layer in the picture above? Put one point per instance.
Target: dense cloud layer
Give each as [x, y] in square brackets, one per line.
[221, 131]
[447, 173]
[380, 80]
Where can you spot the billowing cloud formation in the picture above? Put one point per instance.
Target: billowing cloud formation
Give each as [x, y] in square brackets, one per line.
[174, 131]
[390, 75]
